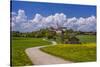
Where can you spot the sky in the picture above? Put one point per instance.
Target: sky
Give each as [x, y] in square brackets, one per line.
[32, 16]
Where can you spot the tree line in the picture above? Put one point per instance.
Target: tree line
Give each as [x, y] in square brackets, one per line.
[67, 36]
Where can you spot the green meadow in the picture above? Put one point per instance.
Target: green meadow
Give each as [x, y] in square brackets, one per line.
[19, 44]
[87, 38]
[75, 53]
[84, 52]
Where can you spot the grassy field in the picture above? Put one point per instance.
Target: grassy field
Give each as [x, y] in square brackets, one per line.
[75, 52]
[87, 38]
[19, 57]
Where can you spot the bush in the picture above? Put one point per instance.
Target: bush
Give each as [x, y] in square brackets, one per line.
[72, 40]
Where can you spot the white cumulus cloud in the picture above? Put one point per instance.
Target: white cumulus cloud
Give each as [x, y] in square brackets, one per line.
[19, 22]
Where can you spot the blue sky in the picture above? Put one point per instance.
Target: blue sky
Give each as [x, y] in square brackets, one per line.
[45, 9]
[33, 16]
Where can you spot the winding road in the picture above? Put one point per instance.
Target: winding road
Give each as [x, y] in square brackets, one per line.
[39, 57]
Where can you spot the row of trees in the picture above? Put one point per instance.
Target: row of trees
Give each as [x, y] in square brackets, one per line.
[38, 34]
[49, 34]
[35, 34]
[67, 36]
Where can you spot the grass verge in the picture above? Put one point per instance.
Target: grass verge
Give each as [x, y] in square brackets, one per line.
[73, 52]
[19, 44]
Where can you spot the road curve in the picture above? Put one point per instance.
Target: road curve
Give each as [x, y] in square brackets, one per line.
[39, 57]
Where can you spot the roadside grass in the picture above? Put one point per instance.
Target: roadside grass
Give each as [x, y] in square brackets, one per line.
[72, 52]
[19, 44]
[84, 52]
[75, 52]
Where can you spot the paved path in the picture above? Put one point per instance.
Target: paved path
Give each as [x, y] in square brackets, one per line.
[39, 57]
